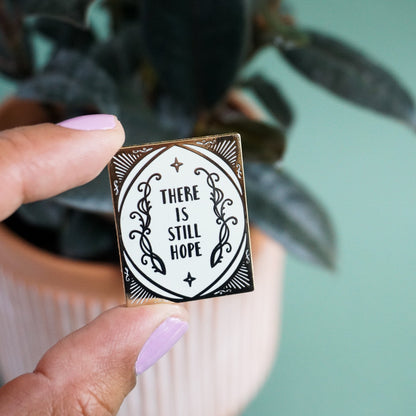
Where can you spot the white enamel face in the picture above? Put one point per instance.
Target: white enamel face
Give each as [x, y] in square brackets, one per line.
[182, 222]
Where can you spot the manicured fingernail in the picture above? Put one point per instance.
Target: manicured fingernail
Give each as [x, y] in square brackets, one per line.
[90, 122]
[162, 339]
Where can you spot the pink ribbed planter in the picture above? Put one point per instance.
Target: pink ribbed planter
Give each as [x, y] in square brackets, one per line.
[216, 369]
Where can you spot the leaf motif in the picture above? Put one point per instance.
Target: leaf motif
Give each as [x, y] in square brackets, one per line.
[216, 255]
[195, 47]
[349, 74]
[75, 80]
[74, 11]
[288, 213]
[271, 96]
[157, 264]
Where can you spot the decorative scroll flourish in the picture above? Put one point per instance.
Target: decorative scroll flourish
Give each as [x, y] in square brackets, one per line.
[219, 204]
[239, 173]
[126, 274]
[248, 258]
[143, 214]
[222, 292]
[142, 150]
[116, 188]
[207, 143]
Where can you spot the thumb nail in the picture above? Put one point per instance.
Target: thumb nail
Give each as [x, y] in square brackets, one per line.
[162, 339]
[90, 122]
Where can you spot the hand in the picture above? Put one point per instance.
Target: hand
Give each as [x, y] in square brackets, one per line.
[92, 370]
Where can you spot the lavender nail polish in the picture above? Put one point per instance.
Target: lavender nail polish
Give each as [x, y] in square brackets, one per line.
[162, 339]
[90, 122]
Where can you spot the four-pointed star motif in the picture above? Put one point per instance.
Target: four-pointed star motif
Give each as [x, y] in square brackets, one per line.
[189, 279]
[176, 164]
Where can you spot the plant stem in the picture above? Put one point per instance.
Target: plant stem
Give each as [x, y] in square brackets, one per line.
[114, 8]
[11, 24]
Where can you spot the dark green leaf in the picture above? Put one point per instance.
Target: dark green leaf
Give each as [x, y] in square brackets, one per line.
[272, 98]
[46, 214]
[349, 74]
[94, 197]
[64, 35]
[73, 80]
[121, 55]
[144, 124]
[195, 46]
[123, 11]
[260, 141]
[288, 213]
[74, 11]
[85, 236]
[173, 117]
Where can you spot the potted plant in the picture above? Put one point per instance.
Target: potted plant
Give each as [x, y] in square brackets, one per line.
[168, 70]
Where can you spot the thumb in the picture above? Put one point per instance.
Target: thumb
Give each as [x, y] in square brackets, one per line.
[37, 162]
[92, 370]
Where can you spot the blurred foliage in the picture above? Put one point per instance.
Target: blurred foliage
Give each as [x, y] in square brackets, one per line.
[168, 70]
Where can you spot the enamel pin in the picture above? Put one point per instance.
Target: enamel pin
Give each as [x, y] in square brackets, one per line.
[181, 219]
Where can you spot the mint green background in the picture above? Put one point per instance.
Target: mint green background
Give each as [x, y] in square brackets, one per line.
[348, 343]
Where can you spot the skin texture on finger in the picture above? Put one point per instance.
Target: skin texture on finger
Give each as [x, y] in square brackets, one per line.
[37, 162]
[90, 371]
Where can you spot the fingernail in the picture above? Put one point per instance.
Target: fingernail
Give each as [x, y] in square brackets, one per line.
[90, 122]
[162, 339]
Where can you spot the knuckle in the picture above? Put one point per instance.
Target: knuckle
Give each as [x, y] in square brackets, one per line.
[69, 399]
[89, 403]
[15, 144]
